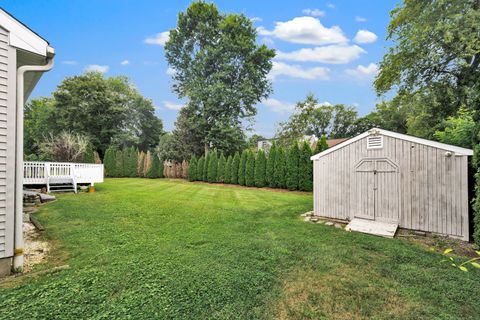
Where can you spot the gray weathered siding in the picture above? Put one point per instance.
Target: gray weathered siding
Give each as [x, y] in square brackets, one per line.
[419, 186]
[7, 144]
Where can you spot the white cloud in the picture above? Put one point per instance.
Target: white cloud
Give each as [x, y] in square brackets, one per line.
[295, 71]
[97, 68]
[171, 71]
[279, 106]
[267, 41]
[172, 106]
[334, 54]
[365, 36]
[159, 39]
[363, 72]
[125, 62]
[305, 30]
[314, 12]
[331, 5]
[256, 19]
[69, 62]
[360, 19]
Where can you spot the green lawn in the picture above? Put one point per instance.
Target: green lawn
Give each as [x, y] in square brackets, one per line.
[164, 249]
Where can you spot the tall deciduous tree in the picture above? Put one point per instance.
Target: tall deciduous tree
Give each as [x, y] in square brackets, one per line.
[221, 69]
[107, 110]
[320, 119]
[435, 60]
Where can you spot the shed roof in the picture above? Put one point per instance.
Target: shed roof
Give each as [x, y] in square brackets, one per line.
[375, 131]
[23, 37]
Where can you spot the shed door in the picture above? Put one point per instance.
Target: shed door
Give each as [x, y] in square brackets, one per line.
[376, 189]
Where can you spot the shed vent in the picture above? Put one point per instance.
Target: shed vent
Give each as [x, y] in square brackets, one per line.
[374, 142]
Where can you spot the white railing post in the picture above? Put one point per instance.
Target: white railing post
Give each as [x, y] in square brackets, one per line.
[47, 175]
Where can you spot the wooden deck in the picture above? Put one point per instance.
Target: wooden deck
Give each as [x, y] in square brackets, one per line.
[55, 173]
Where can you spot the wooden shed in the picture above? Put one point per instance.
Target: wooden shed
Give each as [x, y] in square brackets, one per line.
[385, 177]
[24, 56]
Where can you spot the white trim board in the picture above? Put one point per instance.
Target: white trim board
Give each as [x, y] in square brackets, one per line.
[22, 37]
[457, 150]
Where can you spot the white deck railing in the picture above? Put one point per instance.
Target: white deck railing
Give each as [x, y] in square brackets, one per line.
[36, 172]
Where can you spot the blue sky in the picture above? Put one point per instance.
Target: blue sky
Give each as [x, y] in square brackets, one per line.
[328, 48]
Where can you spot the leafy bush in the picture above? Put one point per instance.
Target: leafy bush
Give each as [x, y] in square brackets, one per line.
[64, 147]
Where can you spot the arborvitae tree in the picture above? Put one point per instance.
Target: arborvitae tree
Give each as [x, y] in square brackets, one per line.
[250, 170]
[292, 167]
[212, 167]
[321, 145]
[221, 168]
[192, 169]
[109, 161]
[140, 164]
[241, 168]
[119, 163]
[200, 165]
[270, 168]
[132, 162]
[305, 169]
[279, 173]
[260, 169]
[126, 162]
[89, 155]
[154, 170]
[235, 169]
[205, 166]
[228, 170]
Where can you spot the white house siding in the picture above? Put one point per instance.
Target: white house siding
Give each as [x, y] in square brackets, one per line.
[7, 144]
[426, 191]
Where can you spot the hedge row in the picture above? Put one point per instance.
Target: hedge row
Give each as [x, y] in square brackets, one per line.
[131, 163]
[290, 169]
